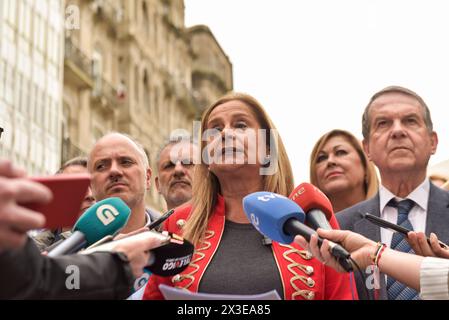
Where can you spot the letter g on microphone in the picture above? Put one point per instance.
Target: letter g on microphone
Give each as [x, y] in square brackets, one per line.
[107, 213]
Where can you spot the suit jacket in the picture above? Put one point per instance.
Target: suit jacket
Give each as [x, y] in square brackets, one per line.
[26, 274]
[437, 221]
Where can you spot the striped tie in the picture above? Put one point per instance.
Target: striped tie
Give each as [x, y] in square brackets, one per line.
[397, 290]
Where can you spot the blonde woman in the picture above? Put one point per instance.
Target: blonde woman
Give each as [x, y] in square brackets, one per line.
[340, 168]
[240, 154]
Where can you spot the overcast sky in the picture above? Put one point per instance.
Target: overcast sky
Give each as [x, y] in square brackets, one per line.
[314, 64]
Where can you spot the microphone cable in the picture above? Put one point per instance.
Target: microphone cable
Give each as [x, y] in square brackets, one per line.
[362, 275]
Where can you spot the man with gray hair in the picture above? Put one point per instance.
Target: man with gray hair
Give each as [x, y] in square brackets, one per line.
[119, 167]
[175, 163]
[398, 137]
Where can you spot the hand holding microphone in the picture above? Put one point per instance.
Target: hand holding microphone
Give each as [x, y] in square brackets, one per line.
[281, 219]
[163, 254]
[362, 249]
[427, 247]
[136, 249]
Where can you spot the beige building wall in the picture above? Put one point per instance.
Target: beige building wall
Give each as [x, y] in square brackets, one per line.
[211, 68]
[130, 68]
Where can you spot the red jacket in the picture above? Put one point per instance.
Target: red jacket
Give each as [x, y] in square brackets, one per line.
[303, 277]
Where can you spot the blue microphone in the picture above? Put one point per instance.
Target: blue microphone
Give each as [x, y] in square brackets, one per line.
[269, 212]
[281, 219]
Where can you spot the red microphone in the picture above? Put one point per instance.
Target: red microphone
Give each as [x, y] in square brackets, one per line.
[315, 204]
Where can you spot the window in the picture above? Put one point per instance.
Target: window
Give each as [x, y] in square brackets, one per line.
[2, 78]
[146, 22]
[25, 19]
[97, 69]
[24, 96]
[136, 84]
[146, 92]
[12, 11]
[9, 84]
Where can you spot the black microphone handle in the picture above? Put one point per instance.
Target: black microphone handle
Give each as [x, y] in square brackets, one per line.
[295, 227]
[72, 244]
[316, 218]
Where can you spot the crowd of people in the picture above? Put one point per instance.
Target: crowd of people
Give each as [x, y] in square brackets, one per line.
[241, 152]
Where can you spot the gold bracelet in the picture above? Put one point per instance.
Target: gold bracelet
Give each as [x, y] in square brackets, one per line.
[379, 253]
[374, 257]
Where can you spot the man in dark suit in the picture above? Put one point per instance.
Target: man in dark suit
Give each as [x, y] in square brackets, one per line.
[399, 138]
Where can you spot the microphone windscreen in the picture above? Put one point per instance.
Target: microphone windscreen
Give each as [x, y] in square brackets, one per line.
[171, 258]
[106, 217]
[269, 211]
[309, 197]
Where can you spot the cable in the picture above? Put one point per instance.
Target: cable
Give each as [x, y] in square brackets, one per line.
[362, 275]
[351, 276]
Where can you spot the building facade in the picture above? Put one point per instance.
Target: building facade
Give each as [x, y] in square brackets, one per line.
[31, 71]
[132, 66]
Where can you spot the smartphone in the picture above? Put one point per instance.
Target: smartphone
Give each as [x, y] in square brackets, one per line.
[394, 227]
[69, 191]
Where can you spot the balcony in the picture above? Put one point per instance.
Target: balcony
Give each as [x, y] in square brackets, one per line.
[109, 11]
[69, 151]
[105, 95]
[77, 66]
[185, 96]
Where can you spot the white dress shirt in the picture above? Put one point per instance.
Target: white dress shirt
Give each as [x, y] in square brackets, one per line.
[417, 215]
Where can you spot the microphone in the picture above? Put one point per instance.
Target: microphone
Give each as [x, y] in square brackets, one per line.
[170, 257]
[153, 225]
[281, 219]
[105, 218]
[395, 228]
[315, 204]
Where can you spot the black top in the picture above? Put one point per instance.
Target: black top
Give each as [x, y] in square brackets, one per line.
[242, 264]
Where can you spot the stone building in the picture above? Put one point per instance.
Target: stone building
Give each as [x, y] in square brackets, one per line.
[133, 66]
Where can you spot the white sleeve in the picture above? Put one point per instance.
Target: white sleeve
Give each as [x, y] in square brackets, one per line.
[434, 279]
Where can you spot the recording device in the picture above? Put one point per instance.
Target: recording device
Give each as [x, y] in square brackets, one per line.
[281, 219]
[170, 257]
[105, 218]
[394, 227]
[69, 191]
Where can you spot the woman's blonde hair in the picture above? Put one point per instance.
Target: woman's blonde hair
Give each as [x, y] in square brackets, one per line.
[371, 182]
[206, 186]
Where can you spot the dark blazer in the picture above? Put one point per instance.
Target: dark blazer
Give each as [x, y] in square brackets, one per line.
[437, 222]
[26, 274]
